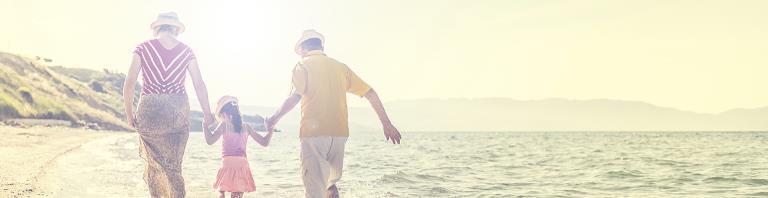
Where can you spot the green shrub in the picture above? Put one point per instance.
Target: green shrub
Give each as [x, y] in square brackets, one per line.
[8, 108]
[96, 86]
[26, 94]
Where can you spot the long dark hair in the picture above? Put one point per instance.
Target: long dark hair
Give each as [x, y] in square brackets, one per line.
[234, 112]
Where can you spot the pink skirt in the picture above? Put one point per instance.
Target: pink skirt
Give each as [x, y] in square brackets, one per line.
[234, 176]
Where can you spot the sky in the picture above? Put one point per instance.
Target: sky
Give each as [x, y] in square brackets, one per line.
[701, 56]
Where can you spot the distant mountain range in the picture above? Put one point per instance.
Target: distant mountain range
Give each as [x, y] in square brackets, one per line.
[502, 114]
[29, 89]
[499, 114]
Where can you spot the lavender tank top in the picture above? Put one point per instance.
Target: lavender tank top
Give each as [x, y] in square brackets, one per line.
[233, 143]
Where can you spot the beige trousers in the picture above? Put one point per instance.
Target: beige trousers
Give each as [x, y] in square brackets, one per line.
[321, 163]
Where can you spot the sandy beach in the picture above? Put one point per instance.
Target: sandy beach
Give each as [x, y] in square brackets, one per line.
[27, 153]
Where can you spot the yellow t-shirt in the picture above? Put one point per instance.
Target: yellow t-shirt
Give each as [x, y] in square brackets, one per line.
[323, 83]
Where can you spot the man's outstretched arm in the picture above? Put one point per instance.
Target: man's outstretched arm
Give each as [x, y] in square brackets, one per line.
[287, 106]
[390, 132]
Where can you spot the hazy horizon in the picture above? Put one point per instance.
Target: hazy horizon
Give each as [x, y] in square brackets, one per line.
[700, 56]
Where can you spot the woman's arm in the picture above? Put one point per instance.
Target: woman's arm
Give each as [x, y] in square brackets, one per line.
[211, 138]
[128, 87]
[263, 140]
[202, 92]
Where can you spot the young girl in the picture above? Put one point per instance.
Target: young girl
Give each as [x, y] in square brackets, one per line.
[234, 175]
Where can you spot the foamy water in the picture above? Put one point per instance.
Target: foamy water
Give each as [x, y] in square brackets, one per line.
[460, 165]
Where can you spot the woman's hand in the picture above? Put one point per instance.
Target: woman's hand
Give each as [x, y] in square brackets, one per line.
[135, 122]
[206, 128]
[208, 120]
[131, 119]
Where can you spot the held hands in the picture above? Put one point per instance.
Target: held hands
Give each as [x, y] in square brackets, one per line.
[208, 120]
[206, 126]
[206, 130]
[391, 133]
[269, 123]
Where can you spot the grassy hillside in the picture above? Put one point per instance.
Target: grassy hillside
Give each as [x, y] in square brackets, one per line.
[29, 89]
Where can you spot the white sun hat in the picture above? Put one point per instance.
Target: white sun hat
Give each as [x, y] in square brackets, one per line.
[306, 35]
[168, 18]
[223, 101]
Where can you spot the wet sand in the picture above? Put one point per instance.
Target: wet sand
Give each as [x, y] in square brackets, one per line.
[27, 153]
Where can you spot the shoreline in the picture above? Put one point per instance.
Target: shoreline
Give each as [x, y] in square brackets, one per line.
[28, 153]
[99, 164]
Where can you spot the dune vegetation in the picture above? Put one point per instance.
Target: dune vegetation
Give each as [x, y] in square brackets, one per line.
[30, 89]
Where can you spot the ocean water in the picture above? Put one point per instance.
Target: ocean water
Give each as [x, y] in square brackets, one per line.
[482, 164]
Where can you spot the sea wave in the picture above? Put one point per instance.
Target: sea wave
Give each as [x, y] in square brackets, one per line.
[588, 164]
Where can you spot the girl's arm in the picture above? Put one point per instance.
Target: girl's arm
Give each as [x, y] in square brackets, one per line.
[211, 138]
[263, 140]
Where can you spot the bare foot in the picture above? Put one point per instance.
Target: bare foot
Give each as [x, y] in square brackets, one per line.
[237, 194]
[221, 195]
[333, 192]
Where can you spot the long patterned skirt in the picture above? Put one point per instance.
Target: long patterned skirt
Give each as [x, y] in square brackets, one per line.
[163, 127]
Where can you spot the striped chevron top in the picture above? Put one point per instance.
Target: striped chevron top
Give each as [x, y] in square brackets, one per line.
[163, 70]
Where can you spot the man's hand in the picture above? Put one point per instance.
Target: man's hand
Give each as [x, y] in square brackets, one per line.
[391, 133]
[288, 104]
[269, 123]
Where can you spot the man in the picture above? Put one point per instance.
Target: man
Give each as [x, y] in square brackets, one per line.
[321, 84]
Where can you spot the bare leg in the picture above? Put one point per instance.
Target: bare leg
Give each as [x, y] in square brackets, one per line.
[221, 195]
[237, 194]
[333, 192]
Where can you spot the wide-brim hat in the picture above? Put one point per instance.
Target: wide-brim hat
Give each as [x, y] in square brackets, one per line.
[168, 18]
[306, 35]
[224, 100]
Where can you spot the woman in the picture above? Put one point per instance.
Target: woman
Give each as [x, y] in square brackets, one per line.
[162, 114]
